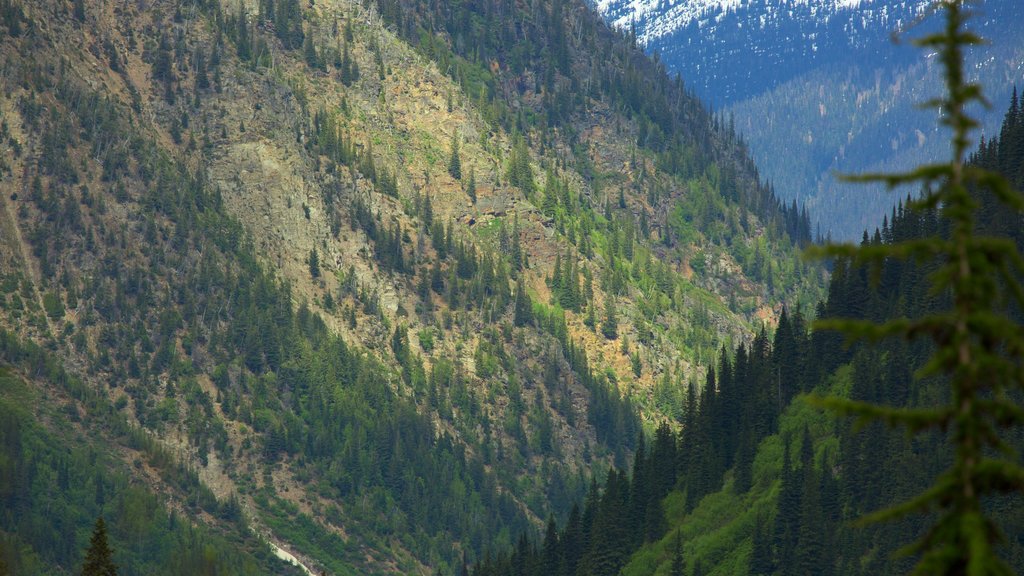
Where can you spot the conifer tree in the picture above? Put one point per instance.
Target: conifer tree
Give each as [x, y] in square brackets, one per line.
[610, 326]
[428, 219]
[517, 256]
[348, 70]
[309, 52]
[314, 263]
[242, 42]
[519, 173]
[99, 558]
[523, 307]
[471, 186]
[761, 554]
[978, 348]
[454, 162]
[556, 278]
[678, 564]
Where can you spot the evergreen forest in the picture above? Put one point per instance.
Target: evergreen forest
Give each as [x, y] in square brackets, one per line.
[757, 481]
[432, 288]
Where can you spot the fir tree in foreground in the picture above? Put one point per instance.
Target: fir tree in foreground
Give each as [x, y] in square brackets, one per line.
[99, 558]
[978, 347]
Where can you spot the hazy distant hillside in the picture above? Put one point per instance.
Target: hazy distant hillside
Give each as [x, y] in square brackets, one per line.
[821, 82]
[731, 50]
[860, 118]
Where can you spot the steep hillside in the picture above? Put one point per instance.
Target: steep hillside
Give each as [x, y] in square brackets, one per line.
[393, 283]
[760, 480]
[66, 457]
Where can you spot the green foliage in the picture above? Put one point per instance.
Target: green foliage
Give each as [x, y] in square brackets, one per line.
[286, 18]
[610, 322]
[454, 161]
[977, 344]
[53, 306]
[678, 563]
[471, 186]
[523, 313]
[99, 558]
[684, 475]
[314, 263]
[349, 68]
[359, 425]
[519, 173]
[53, 485]
[309, 53]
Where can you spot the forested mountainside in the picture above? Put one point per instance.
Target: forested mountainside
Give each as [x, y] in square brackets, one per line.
[384, 285]
[817, 87]
[759, 482]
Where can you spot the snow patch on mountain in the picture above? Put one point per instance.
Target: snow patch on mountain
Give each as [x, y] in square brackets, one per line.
[654, 19]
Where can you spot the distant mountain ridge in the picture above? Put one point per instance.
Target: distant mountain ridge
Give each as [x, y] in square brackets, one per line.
[656, 18]
[822, 82]
[728, 50]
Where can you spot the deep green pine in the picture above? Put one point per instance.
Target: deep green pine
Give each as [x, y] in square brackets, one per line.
[314, 263]
[610, 324]
[678, 562]
[309, 52]
[454, 161]
[471, 186]
[551, 550]
[242, 42]
[516, 254]
[523, 312]
[99, 558]
[519, 172]
[348, 72]
[761, 554]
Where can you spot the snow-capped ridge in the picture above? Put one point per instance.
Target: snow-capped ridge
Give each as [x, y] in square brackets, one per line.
[654, 19]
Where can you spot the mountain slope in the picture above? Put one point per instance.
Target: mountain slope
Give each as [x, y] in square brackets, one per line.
[59, 474]
[758, 479]
[394, 284]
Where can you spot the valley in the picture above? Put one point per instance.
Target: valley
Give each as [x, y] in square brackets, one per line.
[834, 85]
[442, 288]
